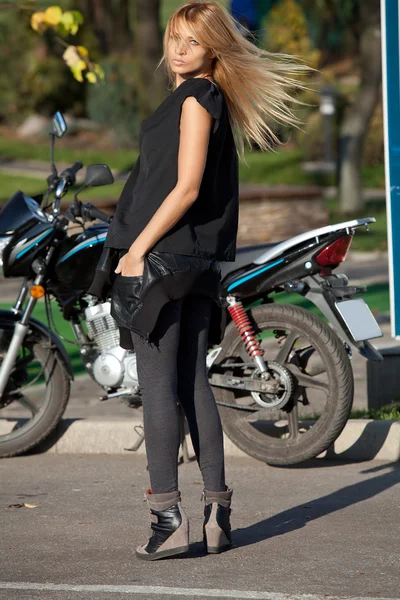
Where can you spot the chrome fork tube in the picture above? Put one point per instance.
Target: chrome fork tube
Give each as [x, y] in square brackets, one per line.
[21, 297]
[20, 331]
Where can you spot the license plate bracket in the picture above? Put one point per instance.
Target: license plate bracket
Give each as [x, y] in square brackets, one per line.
[359, 319]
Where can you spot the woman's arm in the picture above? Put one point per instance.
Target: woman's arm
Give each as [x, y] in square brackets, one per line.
[195, 127]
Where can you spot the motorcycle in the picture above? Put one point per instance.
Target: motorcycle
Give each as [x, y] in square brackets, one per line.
[281, 375]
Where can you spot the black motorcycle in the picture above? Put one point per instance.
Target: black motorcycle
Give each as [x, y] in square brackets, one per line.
[282, 376]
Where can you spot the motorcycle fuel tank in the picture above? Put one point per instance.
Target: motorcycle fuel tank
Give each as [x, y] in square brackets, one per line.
[78, 257]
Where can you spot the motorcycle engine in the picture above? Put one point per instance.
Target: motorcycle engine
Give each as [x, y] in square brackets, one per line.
[114, 366]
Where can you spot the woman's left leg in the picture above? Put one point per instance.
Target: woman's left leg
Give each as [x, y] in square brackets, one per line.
[157, 373]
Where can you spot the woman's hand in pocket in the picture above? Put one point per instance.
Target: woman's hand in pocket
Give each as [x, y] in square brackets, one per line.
[130, 265]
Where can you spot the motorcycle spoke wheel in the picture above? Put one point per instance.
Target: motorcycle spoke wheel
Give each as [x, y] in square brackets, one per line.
[27, 403]
[316, 410]
[34, 399]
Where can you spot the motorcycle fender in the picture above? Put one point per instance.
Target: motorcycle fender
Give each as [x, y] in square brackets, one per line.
[11, 317]
[365, 348]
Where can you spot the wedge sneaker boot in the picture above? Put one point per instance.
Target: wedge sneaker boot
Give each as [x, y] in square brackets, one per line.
[169, 525]
[217, 527]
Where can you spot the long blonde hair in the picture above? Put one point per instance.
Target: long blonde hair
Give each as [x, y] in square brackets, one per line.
[258, 85]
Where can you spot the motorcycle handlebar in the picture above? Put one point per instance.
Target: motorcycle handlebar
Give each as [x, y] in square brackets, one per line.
[91, 212]
[71, 172]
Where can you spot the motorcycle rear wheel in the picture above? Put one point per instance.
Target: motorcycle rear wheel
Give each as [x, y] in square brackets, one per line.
[320, 367]
[29, 414]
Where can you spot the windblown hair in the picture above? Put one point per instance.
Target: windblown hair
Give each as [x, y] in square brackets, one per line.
[258, 85]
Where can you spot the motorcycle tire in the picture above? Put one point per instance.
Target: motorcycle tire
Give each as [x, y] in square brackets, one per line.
[289, 450]
[57, 393]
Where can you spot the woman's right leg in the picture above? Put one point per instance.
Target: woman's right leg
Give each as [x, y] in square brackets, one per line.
[195, 393]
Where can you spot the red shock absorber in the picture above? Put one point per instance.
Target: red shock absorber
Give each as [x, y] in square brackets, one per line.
[245, 328]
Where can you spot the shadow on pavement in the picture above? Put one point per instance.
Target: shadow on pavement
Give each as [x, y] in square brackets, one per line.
[298, 516]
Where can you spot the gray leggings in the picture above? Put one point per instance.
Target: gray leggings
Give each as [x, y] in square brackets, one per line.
[171, 369]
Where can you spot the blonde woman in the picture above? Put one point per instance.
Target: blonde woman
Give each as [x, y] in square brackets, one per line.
[181, 201]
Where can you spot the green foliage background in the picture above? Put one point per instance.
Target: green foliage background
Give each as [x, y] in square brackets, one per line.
[34, 79]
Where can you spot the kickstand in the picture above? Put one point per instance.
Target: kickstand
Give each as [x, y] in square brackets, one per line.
[182, 421]
[140, 432]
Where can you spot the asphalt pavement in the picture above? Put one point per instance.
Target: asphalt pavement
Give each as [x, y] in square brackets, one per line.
[318, 529]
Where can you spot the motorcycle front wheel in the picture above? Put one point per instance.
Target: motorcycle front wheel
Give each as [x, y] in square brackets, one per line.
[35, 397]
[315, 393]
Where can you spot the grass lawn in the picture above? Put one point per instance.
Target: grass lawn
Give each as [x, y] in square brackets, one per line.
[281, 167]
[9, 184]
[386, 413]
[18, 149]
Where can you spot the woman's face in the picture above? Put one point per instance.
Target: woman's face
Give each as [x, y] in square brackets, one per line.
[185, 55]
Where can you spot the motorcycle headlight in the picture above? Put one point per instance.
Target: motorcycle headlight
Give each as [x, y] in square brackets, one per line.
[3, 243]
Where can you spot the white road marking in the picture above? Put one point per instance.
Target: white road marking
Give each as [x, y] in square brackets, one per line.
[170, 591]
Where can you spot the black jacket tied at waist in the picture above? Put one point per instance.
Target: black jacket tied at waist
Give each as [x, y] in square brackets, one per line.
[137, 300]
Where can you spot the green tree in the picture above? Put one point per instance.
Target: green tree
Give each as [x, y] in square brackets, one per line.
[148, 45]
[356, 122]
[33, 76]
[360, 19]
[333, 24]
[287, 32]
[112, 24]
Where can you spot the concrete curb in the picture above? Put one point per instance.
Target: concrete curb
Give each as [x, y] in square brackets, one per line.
[361, 439]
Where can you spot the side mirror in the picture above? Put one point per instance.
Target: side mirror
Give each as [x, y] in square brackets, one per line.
[59, 126]
[97, 175]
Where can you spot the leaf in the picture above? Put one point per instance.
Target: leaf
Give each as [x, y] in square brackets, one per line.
[99, 71]
[71, 56]
[61, 30]
[24, 505]
[67, 21]
[53, 15]
[77, 69]
[83, 51]
[71, 20]
[78, 16]
[91, 77]
[38, 22]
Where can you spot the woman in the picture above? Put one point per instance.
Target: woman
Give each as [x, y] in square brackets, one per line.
[180, 204]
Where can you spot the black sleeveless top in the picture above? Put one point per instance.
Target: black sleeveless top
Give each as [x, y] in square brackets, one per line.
[209, 228]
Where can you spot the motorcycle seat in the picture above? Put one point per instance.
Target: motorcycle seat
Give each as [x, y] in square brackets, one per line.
[245, 255]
